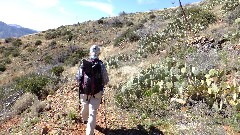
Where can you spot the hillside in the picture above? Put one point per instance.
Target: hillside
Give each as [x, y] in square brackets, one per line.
[167, 76]
[11, 30]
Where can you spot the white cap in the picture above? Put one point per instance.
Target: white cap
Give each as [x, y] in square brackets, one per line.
[95, 50]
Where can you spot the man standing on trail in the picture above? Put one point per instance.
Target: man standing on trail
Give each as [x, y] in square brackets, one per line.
[91, 77]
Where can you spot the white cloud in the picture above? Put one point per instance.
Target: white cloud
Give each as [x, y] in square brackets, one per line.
[104, 7]
[29, 16]
[44, 3]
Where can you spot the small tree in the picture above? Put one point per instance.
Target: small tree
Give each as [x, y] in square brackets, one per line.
[38, 42]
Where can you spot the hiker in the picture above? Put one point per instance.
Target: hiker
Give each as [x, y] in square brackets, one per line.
[91, 94]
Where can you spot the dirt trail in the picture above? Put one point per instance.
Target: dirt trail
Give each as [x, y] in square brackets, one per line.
[63, 105]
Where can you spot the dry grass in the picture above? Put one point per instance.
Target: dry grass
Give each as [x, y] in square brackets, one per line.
[24, 102]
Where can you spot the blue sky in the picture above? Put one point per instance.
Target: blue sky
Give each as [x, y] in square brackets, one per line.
[47, 14]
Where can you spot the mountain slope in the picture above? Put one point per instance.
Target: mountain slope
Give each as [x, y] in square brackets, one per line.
[13, 30]
[167, 76]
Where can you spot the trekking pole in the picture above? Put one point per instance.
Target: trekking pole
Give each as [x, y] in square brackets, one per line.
[105, 111]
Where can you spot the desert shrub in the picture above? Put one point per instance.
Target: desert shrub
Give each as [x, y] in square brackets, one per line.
[199, 18]
[6, 61]
[72, 115]
[8, 40]
[75, 57]
[11, 51]
[63, 56]
[37, 107]
[233, 15]
[69, 37]
[2, 67]
[34, 84]
[119, 40]
[15, 53]
[151, 44]
[152, 16]
[117, 23]
[51, 34]
[233, 36]
[129, 35]
[53, 44]
[204, 60]
[57, 70]
[38, 42]
[30, 49]
[17, 42]
[129, 23]
[24, 102]
[48, 59]
[2, 48]
[100, 21]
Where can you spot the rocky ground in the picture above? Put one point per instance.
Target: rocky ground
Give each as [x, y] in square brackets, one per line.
[62, 116]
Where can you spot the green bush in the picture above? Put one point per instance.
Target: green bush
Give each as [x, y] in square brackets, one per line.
[11, 51]
[57, 70]
[129, 23]
[75, 57]
[152, 16]
[8, 40]
[53, 44]
[38, 42]
[17, 42]
[6, 61]
[117, 23]
[34, 84]
[128, 35]
[15, 53]
[48, 59]
[30, 49]
[100, 21]
[72, 115]
[51, 34]
[200, 18]
[2, 67]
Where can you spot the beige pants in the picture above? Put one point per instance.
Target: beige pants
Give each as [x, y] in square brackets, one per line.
[89, 110]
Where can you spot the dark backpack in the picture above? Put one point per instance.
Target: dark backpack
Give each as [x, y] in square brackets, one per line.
[91, 81]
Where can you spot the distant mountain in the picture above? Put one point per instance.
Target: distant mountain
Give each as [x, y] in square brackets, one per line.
[15, 25]
[13, 30]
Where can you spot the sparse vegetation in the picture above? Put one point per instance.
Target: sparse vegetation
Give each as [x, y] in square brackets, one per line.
[164, 75]
[129, 35]
[34, 84]
[72, 115]
[57, 70]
